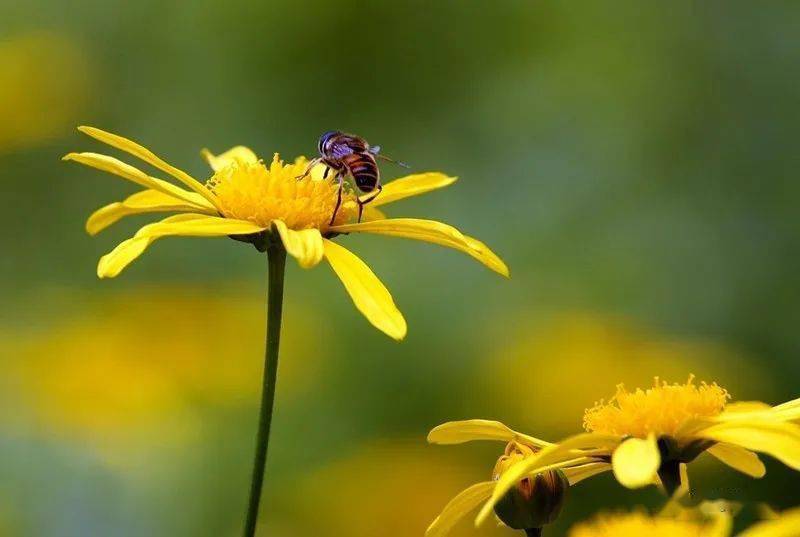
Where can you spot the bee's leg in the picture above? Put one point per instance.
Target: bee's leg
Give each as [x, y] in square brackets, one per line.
[308, 168]
[362, 203]
[340, 178]
[327, 170]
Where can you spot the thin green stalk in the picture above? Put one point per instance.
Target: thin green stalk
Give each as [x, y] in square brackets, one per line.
[533, 532]
[276, 257]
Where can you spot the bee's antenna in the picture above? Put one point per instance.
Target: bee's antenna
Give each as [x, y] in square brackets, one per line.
[384, 157]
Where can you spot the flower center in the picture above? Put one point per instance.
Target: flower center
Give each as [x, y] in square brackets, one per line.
[261, 194]
[660, 410]
[636, 525]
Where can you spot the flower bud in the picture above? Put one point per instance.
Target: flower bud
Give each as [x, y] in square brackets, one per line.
[535, 501]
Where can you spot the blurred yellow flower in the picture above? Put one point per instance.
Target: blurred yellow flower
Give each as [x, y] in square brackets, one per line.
[710, 519]
[44, 85]
[263, 204]
[649, 435]
[536, 498]
[93, 377]
[639, 523]
[535, 368]
[785, 524]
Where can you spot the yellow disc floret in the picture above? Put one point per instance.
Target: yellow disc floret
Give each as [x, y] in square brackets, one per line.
[261, 194]
[636, 525]
[660, 410]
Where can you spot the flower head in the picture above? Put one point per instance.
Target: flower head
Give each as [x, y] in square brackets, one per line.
[267, 204]
[649, 436]
[709, 519]
[660, 410]
[248, 190]
[638, 523]
[533, 500]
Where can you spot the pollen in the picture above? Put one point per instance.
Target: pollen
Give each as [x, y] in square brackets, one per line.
[261, 194]
[637, 524]
[660, 410]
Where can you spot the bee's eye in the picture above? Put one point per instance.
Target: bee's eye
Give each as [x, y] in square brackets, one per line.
[323, 140]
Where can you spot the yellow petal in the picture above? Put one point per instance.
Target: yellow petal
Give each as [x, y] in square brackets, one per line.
[565, 453]
[721, 524]
[482, 253]
[368, 293]
[786, 525]
[111, 264]
[739, 458]
[305, 245]
[789, 411]
[467, 500]
[636, 462]
[146, 201]
[131, 147]
[458, 432]
[190, 225]
[126, 171]
[775, 438]
[412, 185]
[428, 231]
[576, 474]
[371, 213]
[239, 154]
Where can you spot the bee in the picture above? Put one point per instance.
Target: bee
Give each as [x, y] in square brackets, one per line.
[348, 154]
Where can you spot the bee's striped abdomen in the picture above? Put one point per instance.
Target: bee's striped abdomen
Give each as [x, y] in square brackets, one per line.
[364, 169]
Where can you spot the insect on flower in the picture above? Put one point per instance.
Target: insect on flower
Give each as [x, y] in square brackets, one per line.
[348, 154]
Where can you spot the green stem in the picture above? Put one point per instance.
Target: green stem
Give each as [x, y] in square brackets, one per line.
[533, 532]
[276, 257]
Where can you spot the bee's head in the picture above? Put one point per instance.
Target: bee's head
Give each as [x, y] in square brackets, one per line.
[323, 141]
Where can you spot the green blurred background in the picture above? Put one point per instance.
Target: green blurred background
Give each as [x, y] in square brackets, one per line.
[634, 163]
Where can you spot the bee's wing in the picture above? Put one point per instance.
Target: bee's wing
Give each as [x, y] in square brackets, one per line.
[339, 150]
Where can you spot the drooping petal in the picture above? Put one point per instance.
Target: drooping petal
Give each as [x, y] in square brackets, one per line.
[482, 253]
[111, 264]
[467, 500]
[239, 154]
[369, 295]
[458, 432]
[636, 462]
[189, 225]
[429, 231]
[146, 201]
[576, 474]
[739, 459]
[775, 438]
[131, 147]
[412, 185]
[305, 245]
[565, 453]
[787, 524]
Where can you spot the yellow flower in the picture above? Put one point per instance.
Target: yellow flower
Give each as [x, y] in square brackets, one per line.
[711, 519]
[785, 524]
[649, 436]
[256, 203]
[639, 523]
[519, 449]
